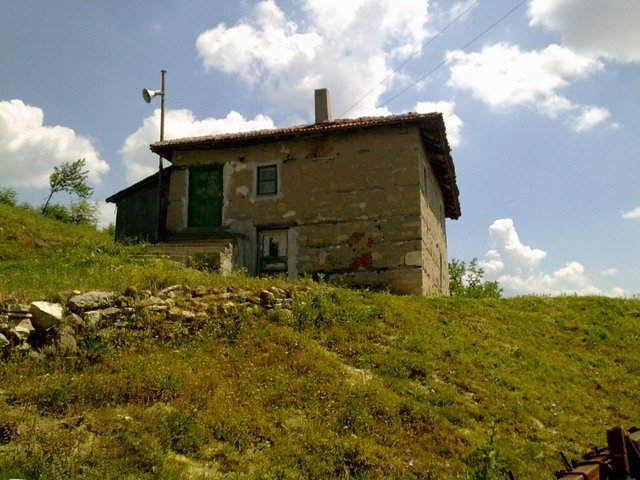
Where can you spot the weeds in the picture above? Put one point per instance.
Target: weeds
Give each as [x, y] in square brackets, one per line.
[489, 463]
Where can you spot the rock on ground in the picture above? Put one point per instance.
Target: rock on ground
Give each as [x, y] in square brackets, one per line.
[23, 329]
[91, 301]
[45, 315]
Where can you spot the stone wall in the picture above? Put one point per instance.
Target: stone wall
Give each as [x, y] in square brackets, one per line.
[434, 238]
[351, 202]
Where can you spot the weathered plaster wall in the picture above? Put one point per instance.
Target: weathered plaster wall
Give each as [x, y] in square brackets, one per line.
[177, 206]
[352, 203]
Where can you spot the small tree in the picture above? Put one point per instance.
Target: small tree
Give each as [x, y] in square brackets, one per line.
[467, 281]
[8, 196]
[70, 178]
[83, 211]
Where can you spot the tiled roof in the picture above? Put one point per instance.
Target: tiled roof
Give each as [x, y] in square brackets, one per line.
[208, 141]
[431, 125]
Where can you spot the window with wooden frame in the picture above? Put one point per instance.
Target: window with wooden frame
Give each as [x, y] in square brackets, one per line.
[267, 180]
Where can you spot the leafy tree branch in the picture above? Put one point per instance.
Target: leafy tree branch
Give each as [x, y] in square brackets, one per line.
[69, 177]
[467, 281]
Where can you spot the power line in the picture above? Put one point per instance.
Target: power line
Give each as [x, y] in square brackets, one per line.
[451, 57]
[425, 45]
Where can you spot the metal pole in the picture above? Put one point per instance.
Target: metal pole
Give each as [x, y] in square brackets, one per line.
[164, 72]
[159, 226]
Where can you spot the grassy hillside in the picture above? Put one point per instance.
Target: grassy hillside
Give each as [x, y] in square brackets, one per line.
[334, 384]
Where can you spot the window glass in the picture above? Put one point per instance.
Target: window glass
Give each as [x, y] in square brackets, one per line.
[267, 180]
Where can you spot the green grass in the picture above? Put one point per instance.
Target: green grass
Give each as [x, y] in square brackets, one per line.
[42, 258]
[346, 385]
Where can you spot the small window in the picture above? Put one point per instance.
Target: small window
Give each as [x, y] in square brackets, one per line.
[267, 180]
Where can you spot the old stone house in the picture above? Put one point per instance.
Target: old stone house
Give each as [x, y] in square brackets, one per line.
[361, 201]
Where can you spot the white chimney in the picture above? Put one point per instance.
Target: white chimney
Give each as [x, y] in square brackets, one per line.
[323, 110]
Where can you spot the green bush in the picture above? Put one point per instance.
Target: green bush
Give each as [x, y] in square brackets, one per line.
[57, 212]
[81, 212]
[467, 281]
[8, 196]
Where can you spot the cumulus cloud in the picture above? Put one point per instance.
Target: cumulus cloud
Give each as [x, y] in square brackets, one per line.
[505, 76]
[138, 160]
[452, 122]
[589, 117]
[459, 7]
[592, 28]
[335, 43]
[106, 213]
[29, 149]
[609, 272]
[517, 267]
[635, 213]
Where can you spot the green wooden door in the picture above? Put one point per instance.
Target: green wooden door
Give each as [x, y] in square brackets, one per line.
[205, 196]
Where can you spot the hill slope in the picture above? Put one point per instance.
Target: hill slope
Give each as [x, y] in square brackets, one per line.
[325, 383]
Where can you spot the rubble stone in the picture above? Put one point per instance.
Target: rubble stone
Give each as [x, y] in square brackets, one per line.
[23, 329]
[45, 314]
[91, 301]
[267, 298]
[18, 308]
[67, 344]
[188, 313]
[179, 314]
[199, 292]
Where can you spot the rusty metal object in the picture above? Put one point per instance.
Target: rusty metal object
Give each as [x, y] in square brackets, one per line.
[618, 448]
[632, 443]
[619, 461]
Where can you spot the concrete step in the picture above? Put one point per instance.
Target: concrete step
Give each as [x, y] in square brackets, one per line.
[215, 254]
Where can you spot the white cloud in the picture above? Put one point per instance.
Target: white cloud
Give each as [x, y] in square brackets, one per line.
[459, 7]
[509, 251]
[635, 213]
[138, 160]
[452, 122]
[592, 27]
[503, 75]
[106, 213]
[609, 272]
[29, 150]
[589, 117]
[517, 267]
[347, 47]
[251, 51]
[620, 292]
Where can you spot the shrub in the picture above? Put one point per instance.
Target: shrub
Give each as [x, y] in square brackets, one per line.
[467, 281]
[8, 196]
[81, 212]
[57, 212]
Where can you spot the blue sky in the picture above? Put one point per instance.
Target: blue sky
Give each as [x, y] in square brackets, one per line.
[542, 111]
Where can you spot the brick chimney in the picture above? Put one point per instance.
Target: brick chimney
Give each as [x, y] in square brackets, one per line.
[323, 110]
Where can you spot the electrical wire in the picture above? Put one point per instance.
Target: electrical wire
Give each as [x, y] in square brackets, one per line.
[451, 57]
[425, 45]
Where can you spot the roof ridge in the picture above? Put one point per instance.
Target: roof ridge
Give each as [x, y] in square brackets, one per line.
[310, 127]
